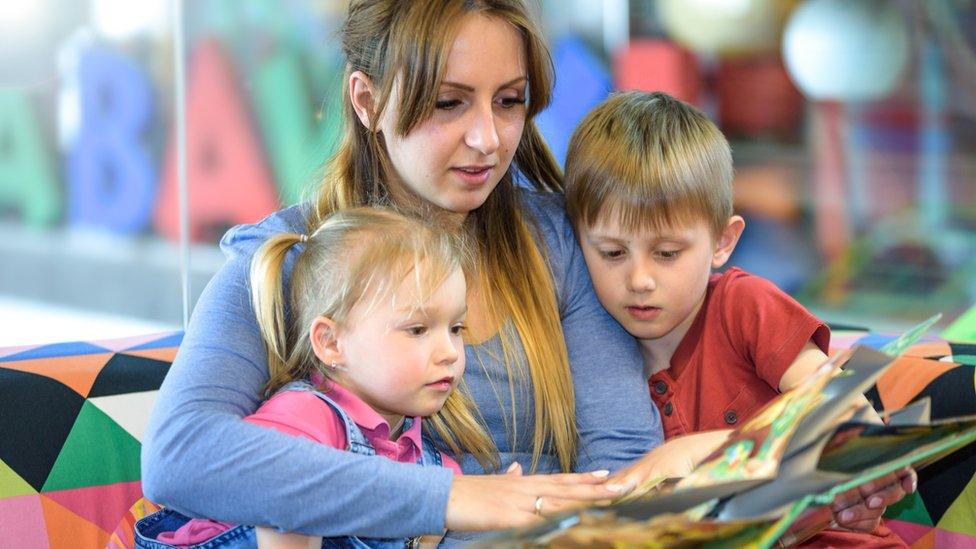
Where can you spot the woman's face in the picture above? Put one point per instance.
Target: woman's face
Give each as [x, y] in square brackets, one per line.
[455, 158]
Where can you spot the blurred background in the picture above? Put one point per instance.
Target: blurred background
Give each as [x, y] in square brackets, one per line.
[853, 126]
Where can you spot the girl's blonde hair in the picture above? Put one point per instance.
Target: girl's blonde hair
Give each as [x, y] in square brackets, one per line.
[408, 42]
[356, 254]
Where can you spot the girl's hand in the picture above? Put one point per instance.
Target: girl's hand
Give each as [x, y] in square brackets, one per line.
[488, 502]
[675, 458]
[860, 508]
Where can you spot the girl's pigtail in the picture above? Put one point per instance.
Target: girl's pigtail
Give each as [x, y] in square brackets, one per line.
[268, 298]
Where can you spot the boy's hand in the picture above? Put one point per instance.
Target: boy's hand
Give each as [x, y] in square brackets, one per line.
[675, 458]
[860, 508]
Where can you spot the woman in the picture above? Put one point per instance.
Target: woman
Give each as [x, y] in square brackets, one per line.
[439, 102]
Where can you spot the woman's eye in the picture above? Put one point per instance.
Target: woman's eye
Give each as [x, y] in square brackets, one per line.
[447, 104]
[509, 102]
[417, 330]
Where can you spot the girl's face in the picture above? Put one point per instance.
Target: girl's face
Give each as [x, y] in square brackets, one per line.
[401, 359]
[455, 158]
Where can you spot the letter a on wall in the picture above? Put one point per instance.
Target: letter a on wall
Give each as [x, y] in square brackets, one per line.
[27, 181]
[228, 177]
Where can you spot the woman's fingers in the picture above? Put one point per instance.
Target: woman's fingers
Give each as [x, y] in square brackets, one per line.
[482, 502]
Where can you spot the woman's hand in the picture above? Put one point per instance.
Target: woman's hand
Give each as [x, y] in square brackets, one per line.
[675, 458]
[487, 502]
[860, 508]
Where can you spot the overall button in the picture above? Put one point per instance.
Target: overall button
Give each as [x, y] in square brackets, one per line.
[668, 408]
[731, 417]
[660, 387]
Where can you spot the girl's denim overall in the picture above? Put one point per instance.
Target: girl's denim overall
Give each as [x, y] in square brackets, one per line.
[148, 528]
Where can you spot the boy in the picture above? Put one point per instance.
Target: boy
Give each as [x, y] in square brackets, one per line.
[649, 191]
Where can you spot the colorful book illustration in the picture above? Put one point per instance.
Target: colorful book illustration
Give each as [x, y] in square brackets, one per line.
[766, 482]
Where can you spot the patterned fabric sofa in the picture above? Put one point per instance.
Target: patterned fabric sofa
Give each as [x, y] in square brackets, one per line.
[72, 417]
[71, 422]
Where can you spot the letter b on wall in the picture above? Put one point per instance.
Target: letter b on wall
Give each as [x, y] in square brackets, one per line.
[111, 177]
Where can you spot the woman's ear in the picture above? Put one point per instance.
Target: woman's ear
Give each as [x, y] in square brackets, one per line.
[727, 240]
[324, 336]
[363, 96]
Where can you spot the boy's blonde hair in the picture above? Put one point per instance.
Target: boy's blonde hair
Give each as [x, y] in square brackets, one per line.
[651, 161]
[356, 254]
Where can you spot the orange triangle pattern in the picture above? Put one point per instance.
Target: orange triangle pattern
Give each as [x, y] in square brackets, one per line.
[166, 354]
[925, 542]
[906, 378]
[929, 348]
[77, 372]
[67, 530]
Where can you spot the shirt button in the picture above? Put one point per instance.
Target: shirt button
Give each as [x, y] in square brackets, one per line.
[668, 408]
[660, 387]
[731, 417]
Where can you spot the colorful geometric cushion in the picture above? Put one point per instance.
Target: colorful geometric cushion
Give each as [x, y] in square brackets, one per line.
[943, 511]
[72, 424]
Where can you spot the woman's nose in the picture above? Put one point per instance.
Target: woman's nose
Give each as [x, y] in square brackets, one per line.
[482, 135]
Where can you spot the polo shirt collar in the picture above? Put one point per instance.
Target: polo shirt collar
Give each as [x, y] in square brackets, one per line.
[368, 419]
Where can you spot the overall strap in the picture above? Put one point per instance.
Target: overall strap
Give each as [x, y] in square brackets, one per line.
[430, 456]
[355, 439]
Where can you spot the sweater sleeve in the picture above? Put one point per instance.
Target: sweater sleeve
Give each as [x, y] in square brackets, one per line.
[201, 458]
[616, 419]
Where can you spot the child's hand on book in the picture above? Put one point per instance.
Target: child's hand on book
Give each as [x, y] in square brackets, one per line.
[675, 458]
[860, 508]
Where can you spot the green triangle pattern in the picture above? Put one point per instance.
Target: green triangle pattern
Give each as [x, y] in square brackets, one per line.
[959, 516]
[963, 329]
[83, 461]
[912, 509]
[11, 485]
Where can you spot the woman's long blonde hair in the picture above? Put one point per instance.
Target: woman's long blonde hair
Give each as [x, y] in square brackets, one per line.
[408, 42]
[355, 254]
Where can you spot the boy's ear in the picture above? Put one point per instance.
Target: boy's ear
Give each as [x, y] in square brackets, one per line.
[324, 336]
[363, 95]
[727, 240]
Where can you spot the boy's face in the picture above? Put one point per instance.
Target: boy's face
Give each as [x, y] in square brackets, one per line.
[653, 283]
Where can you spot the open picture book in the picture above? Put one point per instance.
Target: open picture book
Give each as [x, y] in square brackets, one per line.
[771, 479]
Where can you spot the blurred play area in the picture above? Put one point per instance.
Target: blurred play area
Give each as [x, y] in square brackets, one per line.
[853, 126]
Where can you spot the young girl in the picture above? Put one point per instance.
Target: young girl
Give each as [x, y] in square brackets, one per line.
[371, 344]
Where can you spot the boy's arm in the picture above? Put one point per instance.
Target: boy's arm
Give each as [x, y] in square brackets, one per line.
[806, 362]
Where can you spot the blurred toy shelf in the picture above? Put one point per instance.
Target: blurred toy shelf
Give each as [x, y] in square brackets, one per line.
[126, 277]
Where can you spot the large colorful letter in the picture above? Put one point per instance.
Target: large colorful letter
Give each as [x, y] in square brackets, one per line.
[229, 180]
[298, 139]
[111, 175]
[27, 181]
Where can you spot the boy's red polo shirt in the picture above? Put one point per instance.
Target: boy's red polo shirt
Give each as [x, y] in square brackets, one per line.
[729, 364]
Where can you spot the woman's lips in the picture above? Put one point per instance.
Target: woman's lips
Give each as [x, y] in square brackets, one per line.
[473, 176]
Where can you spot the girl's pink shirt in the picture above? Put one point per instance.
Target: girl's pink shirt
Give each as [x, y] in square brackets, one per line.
[302, 414]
